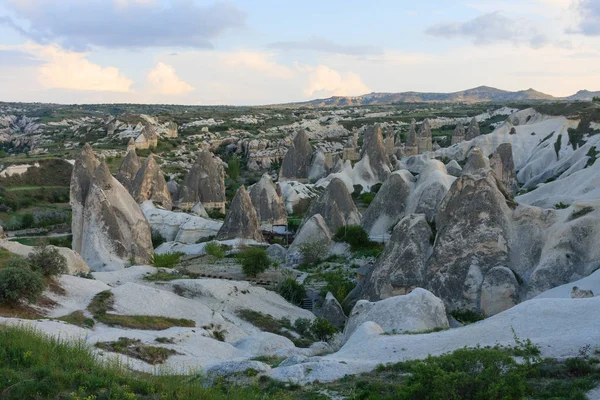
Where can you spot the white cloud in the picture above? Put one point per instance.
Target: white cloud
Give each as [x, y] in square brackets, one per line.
[163, 79]
[62, 69]
[324, 81]
[257, 61]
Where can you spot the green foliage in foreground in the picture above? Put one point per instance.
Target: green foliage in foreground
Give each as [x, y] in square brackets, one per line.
[254, 260]
[166, 260]
[215, 249]
[33, 366]
[19, 282]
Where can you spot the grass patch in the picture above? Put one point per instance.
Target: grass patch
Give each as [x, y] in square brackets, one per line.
[78, 318]
[593, 156]
[144, 322]
[166, 260]
[34, 366]
[267, 323]
[162, 276]
[561, 206]
[101, 303]
[136, 349]
[581, 213]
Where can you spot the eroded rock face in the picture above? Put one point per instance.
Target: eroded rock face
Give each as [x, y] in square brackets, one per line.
[499, 291]
[335, 206]
[432, 186]
[425, 137]
[204, 182]
[453, 168]
[473, 131]
[389, 204]
[150, 184]
[411, 147]
[473, 236]
[128, 169]
[199, 210]
[81, 178]
[332, 311]
[268, 202]
[476, 160]
[459, 134]
[314, 230]
[296, 162]
[417, 311]
[403, 264]
[503, 167]
[374, 153]
[114, 229]
[241, 222]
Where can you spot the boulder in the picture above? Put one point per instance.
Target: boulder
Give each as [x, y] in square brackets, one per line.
[268, 202]
[389, 204]
[503, 167]
[128, 169]
[577, 293]
[199, 210]
[336, 206]
[473, 130]
[417, 311]
[403, 264]
[81, 177]
[205, 182]
[276, 252]
[296, 162]
[314, 230]
[476, 160]
[75, 263]
[150, 184]
[499, 291]
[453, 168]
[264, 344]
[332, 311]
[473, 236]
[241, 222]
[114, 229]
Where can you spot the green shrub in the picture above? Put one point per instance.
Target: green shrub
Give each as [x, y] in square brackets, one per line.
[354, 235]
[166, 260]
[19, 282]
[48, 261]
[466, 316]
[254, 260]
[337, 284]
[233, 168]
[561, 206]
[313, 252]
[292, 291]
[215, 249]
[322, 329]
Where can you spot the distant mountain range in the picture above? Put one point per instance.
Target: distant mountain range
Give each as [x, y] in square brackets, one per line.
[481, 94]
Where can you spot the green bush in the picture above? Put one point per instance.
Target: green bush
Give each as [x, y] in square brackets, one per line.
[19, 282]
[215, 249]
[166, 260]
[337, 284]
[313, 252]
[48, 261]
[322, 329]
[466, 316]
[233, 168]
[354, 235]
[292, 291]
[254, 260]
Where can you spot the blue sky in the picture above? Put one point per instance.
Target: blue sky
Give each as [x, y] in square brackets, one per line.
[268, 51]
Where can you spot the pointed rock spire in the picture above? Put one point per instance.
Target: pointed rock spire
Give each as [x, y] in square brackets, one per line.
[204, 182]
[473, 131]
[459, 134]
[128, 169]
[150, 184]
[268, 202]
[241, 221]
[296, 162]
[335, 206]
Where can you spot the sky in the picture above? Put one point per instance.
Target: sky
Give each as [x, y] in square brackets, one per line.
[253, 52]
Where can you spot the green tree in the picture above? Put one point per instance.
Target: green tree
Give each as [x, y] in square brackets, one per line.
[233, 168]
[48, 261]
[19, 282]
[254, 260]
[596, 99]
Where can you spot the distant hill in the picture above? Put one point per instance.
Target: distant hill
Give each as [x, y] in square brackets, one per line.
[481, 94]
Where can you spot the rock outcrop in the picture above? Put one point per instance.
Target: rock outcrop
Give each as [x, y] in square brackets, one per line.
[424, 138]
[411, 147]
[113, 229]
[199, 210]
[332, 311]
[81, 178]
[296, 162]
[374, 157]
[75, 263]
[503, 167]
[389, 204]
[417, 311]
[150, 184]
[432, 186]
[204, 182]
[268, 202]
[403, 264]
[459, 134]
[313, 231]
[473, 236]
[453, 168]
[476, 160]
[128, 169]
[335, 206]
[499, 291]
[473, 131]
[241, 222]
